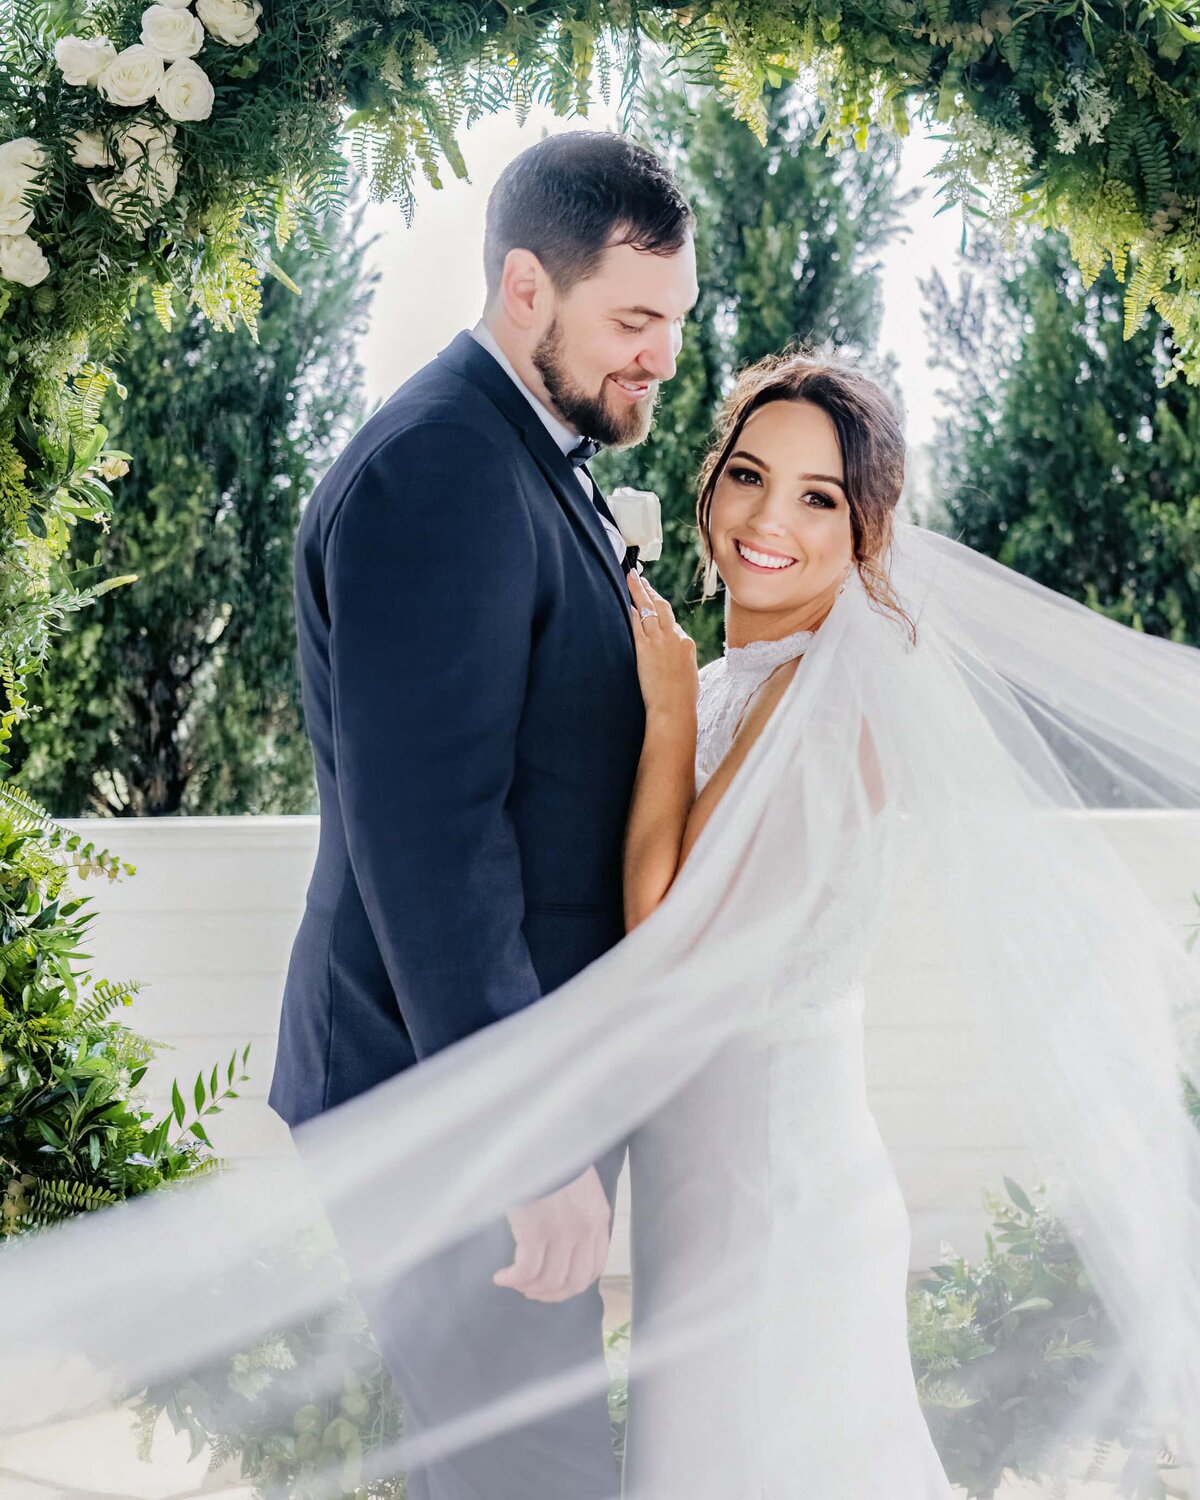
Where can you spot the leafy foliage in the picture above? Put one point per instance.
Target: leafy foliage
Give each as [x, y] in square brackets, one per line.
[1064, 457]
[1079, 115]
[73, 1137]
[269, 1408]
[1004, 1351]
[181, 693]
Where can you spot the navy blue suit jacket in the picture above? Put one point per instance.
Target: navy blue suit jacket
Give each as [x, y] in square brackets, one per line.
[470, 690]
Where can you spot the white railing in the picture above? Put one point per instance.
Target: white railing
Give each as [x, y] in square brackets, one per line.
[208, 921]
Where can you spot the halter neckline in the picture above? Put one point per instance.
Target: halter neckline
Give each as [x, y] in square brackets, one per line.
[762, 657]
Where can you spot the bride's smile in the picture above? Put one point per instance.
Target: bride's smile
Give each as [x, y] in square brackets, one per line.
[760, 559]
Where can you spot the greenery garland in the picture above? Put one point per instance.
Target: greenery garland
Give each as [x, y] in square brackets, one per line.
[156, 143]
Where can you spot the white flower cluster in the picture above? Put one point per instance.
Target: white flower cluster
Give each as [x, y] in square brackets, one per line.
[161, 67]
[987, 154]
[22, 165]
[1094, 108]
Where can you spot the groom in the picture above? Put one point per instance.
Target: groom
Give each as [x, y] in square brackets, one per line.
[471, 693]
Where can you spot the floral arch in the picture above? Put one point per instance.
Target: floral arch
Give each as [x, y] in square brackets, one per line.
[179, 142]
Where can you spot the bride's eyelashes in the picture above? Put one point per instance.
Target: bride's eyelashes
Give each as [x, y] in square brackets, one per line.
[752, 476]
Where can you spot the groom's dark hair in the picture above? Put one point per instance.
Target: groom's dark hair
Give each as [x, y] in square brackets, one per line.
[571, 196]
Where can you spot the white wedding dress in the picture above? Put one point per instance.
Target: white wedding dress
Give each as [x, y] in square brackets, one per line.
[792, 1223]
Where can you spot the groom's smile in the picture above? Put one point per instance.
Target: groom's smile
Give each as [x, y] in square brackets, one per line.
[632, 390]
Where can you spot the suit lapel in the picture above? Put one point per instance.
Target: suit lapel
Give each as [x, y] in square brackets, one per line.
[470, 360]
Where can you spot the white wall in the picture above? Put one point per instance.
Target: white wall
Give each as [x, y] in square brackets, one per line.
[207, 925]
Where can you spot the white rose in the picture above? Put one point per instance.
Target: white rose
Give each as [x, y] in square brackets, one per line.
[128, 208]
[89, 149]
[638, 514]
[22, 158]
[83, 58]
[21, 163]
[234, 22]
[133, 76]
[15, 214]
[154, 177]
[175, 4]
[171, 33]
[185, 91]
[145, 139]
[22, 261]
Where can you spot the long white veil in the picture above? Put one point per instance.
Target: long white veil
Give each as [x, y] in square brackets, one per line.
[1015, 714]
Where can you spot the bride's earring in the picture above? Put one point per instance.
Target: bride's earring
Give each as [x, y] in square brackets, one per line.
[711, 580]
[846, 578]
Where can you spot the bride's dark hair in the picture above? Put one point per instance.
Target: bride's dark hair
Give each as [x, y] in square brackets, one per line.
[869, 435]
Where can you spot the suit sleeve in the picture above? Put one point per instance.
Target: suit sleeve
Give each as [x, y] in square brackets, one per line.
[430, 582]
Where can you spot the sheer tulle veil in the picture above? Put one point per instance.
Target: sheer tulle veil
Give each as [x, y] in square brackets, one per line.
[1014, 716]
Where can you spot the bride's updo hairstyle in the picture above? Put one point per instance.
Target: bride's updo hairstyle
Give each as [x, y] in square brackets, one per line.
[871, 443]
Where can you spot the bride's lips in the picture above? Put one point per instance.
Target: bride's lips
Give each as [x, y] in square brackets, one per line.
[781, 561]
[632, 390]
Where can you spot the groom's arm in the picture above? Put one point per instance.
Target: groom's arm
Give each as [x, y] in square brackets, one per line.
[429, 572]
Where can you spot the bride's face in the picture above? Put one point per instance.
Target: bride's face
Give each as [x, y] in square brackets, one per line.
[780, 521]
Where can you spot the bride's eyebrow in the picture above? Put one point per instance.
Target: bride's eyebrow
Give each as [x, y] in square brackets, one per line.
[766, 468]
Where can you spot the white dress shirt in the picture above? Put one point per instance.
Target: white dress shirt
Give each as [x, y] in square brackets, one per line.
[558, 430]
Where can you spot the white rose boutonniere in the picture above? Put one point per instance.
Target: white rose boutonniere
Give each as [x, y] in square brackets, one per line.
[186, 92]
[638, 514]
[22, 261]
[83, 58]
[133, 77]
[234, 22]
[172, 33]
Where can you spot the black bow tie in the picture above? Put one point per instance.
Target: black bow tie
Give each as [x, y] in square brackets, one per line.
[584, 450]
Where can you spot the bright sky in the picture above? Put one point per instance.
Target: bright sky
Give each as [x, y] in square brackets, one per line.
[432, 279]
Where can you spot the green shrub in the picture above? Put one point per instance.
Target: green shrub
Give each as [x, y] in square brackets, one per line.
[72, 1135]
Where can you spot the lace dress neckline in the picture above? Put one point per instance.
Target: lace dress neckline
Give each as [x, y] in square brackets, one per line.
[760, 658]
[726, 687]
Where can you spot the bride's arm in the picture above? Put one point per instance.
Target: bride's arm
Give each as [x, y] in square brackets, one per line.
[666, 816]
[665, 788]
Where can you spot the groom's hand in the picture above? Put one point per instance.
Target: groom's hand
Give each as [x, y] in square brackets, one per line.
[562, 1242]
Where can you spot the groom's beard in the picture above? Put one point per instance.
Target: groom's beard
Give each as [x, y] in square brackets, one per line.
[590, 416]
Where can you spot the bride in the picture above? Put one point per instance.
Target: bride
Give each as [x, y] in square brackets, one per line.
[891, 710]
[766, 1175]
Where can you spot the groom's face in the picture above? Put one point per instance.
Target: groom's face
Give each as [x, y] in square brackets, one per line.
[608, 343]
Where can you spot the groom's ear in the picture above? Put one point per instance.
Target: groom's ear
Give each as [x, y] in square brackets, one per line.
[523, 286]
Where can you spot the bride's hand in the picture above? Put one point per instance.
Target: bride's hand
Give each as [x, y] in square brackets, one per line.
[666, 655]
